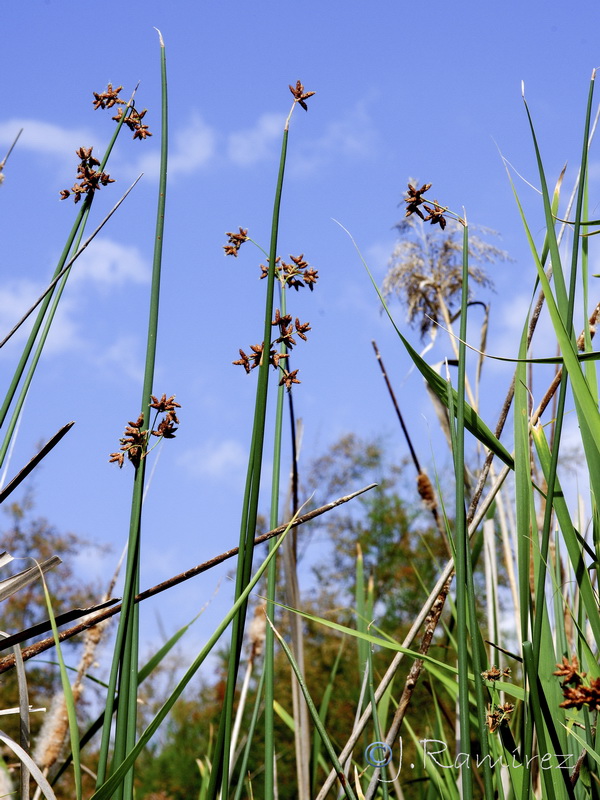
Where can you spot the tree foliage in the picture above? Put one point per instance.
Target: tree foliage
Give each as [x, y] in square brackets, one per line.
[401, 548]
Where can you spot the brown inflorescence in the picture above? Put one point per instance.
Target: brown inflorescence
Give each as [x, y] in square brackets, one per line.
[108, 98]
[577, 694]
[494, 673]
[426, 490]
[134, 122]
[498, 715]
[300, 95]
[134, 443]
[414, 199]
[90, 179]
[236, 240]
[569, 671]
[294, 275]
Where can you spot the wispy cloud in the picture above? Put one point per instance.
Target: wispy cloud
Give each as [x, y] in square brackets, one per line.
[15, 298]
[107, 263]
[354, 135]
[252, 145]
[192, 147]
[215, 459]
[104, 266]
[124, 356]
[46, 139]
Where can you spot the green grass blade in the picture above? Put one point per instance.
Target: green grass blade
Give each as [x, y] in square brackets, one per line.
[108, 788]
[346, 786]
[473, 422]
[220, 767]
[66, 686]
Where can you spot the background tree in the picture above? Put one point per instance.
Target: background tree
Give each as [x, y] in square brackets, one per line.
[26, 537]
[401, 548]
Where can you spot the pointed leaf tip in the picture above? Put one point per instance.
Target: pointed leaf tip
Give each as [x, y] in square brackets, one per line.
[523, 89]
[160, 37]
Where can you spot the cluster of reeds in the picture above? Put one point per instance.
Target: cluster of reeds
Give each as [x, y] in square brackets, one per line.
[511, 715]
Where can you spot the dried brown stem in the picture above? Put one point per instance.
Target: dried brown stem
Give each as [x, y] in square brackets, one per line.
[424, 485]
[412, 678]
[8, 662]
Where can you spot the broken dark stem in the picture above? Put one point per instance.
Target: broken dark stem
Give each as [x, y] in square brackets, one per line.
[8, 662]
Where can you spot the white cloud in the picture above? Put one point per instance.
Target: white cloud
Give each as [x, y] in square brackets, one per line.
[194, 147]
[377, 256]
[352, 136]
[45, 138]
[65, 334]
[252, 145]
[15, 298]
[104, 265]
[191, 148]
[107, 263]
[215, 459]
[125, 355]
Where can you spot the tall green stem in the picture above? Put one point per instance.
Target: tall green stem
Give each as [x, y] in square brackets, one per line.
[219, 778]
[125, 662]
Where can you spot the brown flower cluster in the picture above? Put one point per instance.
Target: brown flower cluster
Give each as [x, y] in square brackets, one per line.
[414, 199]
[295, 275]
[569, 671]
[287, 330]
[134, 442]
[497, 715]
[236, 240]
[90, 179]
[494, 674]
[576, 693]
[108, 98]
[579, 696]
[134, 122]
[300, 95]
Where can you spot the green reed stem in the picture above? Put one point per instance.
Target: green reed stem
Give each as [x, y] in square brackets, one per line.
[269, 662]
[125, 660]
[220, 767]
[106, 791]
[321, 730]
[250, 736]
[549, 505]
[461, 533]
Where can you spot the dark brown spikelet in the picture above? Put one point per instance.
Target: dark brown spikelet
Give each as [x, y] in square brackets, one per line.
[436, 215]
[579, 696]
[570, 671]
[108, 98]
[300, 95]
[414, 199]
[235, 241]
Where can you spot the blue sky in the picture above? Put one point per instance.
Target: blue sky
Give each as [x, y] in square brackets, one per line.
[424, 90]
